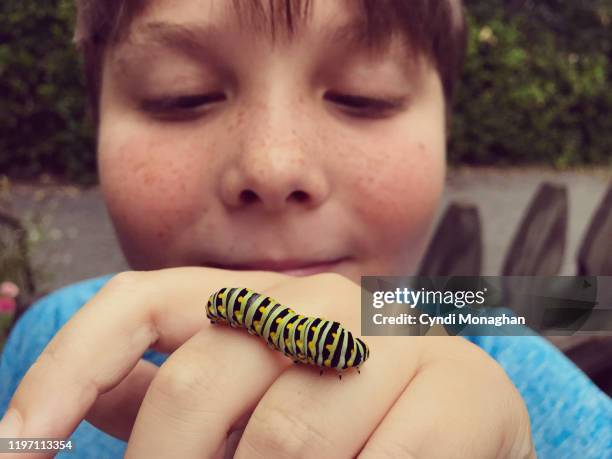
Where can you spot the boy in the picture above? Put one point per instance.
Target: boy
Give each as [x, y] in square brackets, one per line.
[264, 144]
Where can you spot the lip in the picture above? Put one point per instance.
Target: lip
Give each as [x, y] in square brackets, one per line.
[289, 267]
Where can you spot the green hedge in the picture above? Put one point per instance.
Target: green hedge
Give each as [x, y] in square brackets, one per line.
[536, 85]
[43, 122]
[535, 88]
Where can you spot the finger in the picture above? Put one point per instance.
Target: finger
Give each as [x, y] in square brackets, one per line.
[201, 392]
[115, 411]
[304, 414]
[103, 342]
[217, 377]
[435, 407]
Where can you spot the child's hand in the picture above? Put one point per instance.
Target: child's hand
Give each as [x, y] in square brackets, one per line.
[415, 397]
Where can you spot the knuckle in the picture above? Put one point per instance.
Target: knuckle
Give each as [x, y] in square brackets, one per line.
[132, 285]
[494, 377]
[486, 374]
[129, 283]
[183, 379]
[494, 371]
[278, 431]
[481, 366]
[125, 279]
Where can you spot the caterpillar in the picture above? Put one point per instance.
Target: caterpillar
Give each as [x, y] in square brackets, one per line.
[309, 340]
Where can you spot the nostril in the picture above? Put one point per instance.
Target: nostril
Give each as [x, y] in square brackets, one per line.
[248, 196]
[299, 196]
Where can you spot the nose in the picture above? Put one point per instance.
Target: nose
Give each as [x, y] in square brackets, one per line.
[274, 179]
[273, 170]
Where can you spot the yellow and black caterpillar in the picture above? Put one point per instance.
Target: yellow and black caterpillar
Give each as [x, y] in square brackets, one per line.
[309, 340]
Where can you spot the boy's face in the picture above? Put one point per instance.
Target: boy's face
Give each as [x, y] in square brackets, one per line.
[221, 148]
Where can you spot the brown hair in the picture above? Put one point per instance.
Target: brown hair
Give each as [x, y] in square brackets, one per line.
[435, 28]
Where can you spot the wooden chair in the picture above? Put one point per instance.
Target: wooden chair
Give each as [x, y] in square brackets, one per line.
[593, 354]
[456, 247]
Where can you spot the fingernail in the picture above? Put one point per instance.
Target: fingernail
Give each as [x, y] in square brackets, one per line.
[11, 423]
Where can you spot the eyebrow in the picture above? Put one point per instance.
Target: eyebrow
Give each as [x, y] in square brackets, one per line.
[201, 41]
[199, 37]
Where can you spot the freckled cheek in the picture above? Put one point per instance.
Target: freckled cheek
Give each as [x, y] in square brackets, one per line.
[154, 190]
[397, 199]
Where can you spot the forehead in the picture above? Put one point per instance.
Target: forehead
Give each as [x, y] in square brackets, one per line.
[333, 23]
[273, 19]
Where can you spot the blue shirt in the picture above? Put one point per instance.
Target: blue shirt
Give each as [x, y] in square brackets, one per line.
[570, 416]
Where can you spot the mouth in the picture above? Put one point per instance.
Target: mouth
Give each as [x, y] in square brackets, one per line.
[288, 267]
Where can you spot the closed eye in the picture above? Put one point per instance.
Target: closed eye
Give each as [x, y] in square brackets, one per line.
[365, 107]
[185, 106]
[183, 103]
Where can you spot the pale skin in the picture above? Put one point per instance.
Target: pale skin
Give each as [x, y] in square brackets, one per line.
[276, 169]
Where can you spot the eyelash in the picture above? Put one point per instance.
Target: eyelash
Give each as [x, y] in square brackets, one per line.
[365, 107]
[186, 106]
[187, 103]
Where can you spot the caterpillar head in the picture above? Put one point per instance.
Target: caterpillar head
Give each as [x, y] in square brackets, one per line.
[366, 349]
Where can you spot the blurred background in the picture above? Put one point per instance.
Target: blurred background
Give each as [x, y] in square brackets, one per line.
[533, 107]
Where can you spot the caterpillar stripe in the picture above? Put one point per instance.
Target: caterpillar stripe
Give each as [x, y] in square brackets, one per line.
[310, 340]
